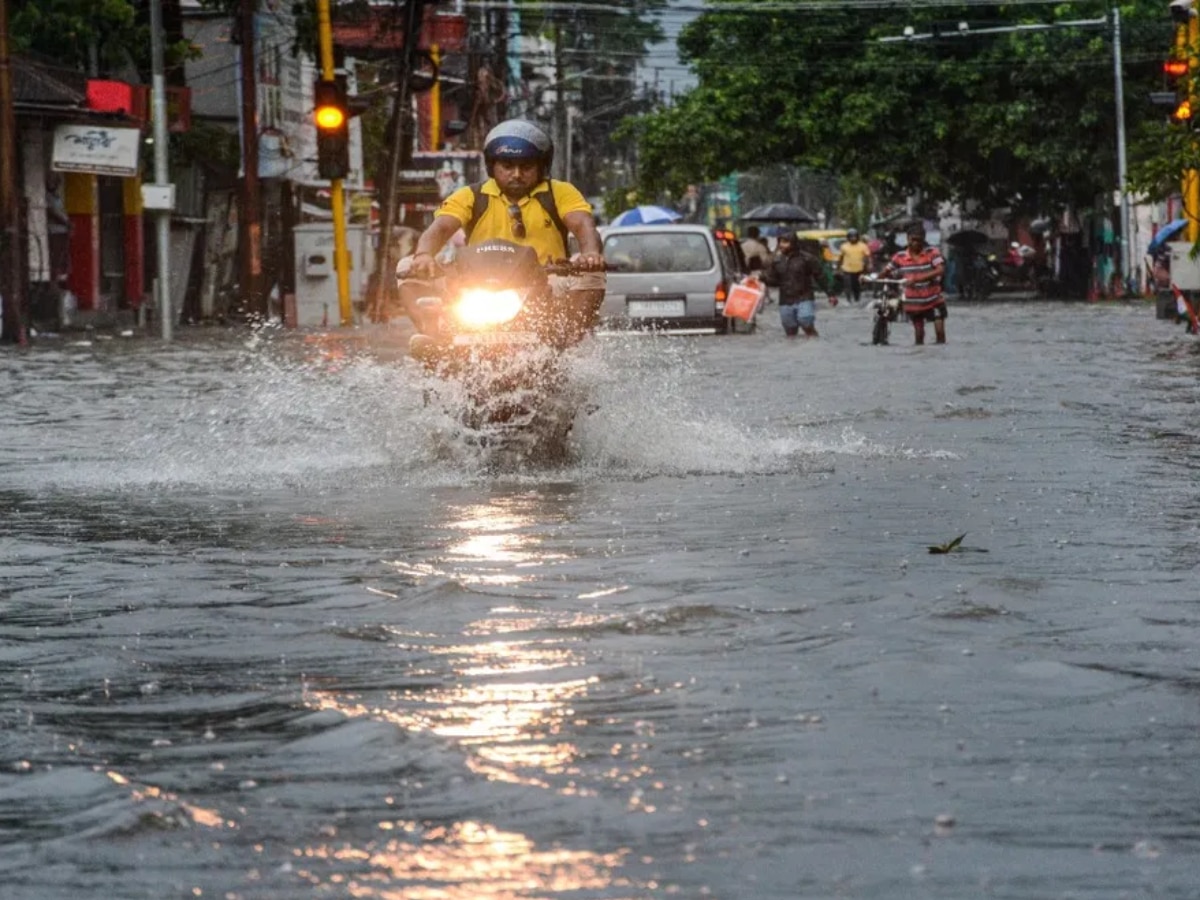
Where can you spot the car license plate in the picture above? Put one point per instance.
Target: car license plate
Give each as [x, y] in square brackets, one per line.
[494, 338]
[642, 309]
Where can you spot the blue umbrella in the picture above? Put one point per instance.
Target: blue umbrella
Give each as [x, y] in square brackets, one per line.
[647, 215]
[1165, 233]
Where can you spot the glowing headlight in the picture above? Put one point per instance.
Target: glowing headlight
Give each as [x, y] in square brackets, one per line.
[480, 309]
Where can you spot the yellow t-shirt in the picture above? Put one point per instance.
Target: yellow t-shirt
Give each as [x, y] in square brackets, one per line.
[855, 255]
[495, 222]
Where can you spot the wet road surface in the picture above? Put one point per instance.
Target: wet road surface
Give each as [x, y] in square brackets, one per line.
[264, 634]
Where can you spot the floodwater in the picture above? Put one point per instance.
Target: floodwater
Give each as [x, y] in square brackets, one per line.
[264, 634]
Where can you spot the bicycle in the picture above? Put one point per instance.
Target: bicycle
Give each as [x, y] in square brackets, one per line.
[886, 305]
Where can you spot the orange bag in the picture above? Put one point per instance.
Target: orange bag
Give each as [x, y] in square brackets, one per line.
[744, 298]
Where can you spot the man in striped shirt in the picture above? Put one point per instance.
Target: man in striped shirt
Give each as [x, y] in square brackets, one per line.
[922, 269]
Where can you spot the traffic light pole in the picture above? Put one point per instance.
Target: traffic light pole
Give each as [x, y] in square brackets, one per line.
[1127, 280]
[341, 258]
[1190, 188]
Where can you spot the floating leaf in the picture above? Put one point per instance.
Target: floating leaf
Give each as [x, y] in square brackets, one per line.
[947, 547]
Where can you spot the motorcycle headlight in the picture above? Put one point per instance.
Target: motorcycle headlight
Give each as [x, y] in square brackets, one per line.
[477, 308]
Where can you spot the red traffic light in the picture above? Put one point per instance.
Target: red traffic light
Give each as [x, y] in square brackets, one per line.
[1175, 68]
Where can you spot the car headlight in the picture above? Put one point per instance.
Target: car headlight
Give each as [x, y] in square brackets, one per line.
[478, 308]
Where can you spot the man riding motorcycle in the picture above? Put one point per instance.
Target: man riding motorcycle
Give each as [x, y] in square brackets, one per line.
[518, 203]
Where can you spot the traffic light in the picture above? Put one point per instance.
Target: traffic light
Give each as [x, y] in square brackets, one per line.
[1175, 69]
[331, 113]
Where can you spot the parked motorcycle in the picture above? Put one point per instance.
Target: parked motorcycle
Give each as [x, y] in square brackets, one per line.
[980, 276]
[496, 337]
[887, 305]
[1022, 274]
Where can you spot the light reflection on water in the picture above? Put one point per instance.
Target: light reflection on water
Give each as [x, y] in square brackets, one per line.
[509, 710]
[468, 860]
[495, 536]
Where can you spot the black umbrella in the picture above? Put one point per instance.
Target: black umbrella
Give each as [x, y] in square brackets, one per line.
[967, 238]
[779, 212]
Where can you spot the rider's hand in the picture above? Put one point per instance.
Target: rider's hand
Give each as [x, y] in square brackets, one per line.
[423, 266]
[591, 261]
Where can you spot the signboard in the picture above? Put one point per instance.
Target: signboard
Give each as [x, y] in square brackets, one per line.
[97, 149]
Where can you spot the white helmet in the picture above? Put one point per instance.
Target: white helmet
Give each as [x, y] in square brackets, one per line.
[518, 139]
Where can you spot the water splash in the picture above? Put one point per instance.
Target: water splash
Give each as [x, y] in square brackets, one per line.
[276, 411]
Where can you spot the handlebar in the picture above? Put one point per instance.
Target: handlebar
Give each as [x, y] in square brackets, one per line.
[558, 267]
[566, 267]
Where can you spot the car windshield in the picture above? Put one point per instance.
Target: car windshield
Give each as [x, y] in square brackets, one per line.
[658, 252]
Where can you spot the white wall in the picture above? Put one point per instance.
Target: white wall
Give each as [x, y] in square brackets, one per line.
[34, 153]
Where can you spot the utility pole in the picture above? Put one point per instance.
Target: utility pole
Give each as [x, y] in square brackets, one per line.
[12, 287]
[560, 106]
[1122, 177]
[249, 221]
[161, 175]
[1191, 177]
[414, 18]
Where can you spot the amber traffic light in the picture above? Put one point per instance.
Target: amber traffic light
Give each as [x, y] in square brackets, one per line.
[329, 118]
[332, 117]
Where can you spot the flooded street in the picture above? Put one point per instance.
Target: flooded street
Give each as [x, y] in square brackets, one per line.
[266, 632]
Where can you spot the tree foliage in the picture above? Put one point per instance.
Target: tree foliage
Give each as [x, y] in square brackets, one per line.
[78, 32]
[107, 38]
[1025, 119]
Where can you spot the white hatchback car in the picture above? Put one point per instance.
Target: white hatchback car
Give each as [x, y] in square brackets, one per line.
[670, 277]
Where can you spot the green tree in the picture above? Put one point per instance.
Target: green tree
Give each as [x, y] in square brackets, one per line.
[80, 33]
[1023, 119]
[101, 37]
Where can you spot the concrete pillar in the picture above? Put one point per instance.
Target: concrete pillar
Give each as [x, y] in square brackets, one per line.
[82, 201]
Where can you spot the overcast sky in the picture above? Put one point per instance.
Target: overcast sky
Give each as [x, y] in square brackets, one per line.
[662, 67]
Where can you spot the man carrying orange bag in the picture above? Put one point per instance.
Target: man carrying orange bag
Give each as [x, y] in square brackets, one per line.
[797, 274]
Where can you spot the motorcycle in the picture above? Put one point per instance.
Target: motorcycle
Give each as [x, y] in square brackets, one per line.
[886, 305]
[980, 277]
[496, 338]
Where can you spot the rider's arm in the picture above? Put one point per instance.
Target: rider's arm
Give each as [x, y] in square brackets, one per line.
[432, 240]
[434, 237]
[576, 214]
[583, 226]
